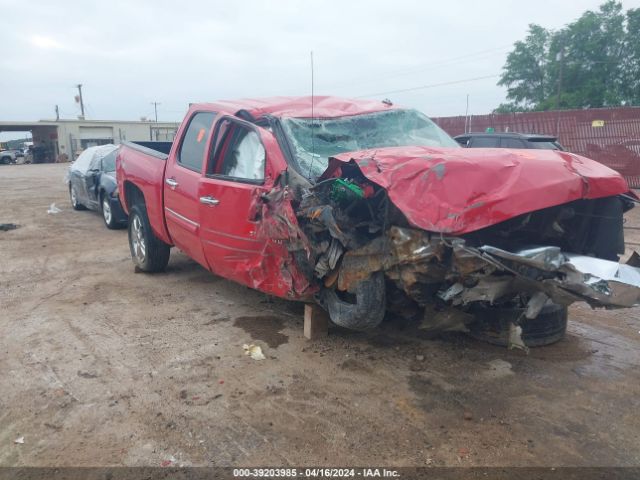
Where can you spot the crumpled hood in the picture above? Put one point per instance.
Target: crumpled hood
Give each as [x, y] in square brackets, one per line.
[460, 190]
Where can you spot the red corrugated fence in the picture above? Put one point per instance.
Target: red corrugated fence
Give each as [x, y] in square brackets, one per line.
[608, 135]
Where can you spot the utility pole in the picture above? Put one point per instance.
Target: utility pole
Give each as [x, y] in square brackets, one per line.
[80, 98]
[155, 109]
[57, 113]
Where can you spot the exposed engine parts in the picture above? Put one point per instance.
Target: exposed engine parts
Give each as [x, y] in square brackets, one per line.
[367, 257]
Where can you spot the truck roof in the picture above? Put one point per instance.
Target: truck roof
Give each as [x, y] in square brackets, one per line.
[299, 107]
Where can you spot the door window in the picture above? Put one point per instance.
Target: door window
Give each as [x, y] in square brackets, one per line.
[239, 153]
[191, 152]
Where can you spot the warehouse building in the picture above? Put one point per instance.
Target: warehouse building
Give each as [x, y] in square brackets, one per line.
[52, 138]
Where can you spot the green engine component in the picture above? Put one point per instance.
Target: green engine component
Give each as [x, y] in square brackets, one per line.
[345, 191]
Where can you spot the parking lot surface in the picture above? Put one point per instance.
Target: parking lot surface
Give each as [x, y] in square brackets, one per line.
[100, 365]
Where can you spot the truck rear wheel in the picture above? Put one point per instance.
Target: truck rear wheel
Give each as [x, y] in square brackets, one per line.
[148, 252]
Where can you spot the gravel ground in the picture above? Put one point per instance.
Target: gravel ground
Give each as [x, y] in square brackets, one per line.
[103, 366]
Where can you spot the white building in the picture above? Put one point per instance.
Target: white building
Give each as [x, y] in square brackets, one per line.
[55, 137]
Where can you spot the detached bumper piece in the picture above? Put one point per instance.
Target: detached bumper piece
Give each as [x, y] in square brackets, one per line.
[454, 282]
[568, 278]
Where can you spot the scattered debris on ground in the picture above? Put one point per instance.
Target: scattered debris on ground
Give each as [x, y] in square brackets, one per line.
[254, 351]
[53, 209]
[4, 227]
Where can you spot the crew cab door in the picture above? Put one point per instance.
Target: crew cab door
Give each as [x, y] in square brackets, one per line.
[237, 174]
[182, 177]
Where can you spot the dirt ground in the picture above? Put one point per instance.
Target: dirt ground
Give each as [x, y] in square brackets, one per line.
[103, 366]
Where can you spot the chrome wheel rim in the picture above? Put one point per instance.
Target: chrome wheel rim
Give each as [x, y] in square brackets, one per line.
[137, 239]
[106, 210]
[74, 197]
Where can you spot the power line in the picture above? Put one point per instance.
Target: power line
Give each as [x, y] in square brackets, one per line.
[411, 89]
[423, 67]
[90, 111]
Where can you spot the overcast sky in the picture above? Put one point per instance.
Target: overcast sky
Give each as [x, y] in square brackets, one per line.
[130, 53]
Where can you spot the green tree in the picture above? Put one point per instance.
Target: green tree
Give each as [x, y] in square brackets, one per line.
[631, 62]
[525, 73]
[591, 62]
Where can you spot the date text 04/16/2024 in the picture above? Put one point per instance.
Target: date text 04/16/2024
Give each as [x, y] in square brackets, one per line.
[315, 473]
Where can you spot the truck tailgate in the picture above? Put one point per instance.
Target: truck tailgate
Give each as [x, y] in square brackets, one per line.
[139, 168]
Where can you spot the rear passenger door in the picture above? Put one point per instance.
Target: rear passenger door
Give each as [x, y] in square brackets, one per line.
[182, 176]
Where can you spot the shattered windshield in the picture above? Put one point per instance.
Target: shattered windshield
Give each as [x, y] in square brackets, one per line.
[393, 128]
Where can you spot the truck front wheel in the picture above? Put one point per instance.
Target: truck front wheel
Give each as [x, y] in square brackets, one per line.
[148, 252]
[364, 310]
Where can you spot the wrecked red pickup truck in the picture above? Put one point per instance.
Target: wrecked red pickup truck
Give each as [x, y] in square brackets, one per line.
[365, 207]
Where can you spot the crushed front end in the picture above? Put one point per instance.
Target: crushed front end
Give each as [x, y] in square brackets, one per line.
[368, 256]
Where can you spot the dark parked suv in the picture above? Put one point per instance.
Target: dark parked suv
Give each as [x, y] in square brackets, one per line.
[508, 140]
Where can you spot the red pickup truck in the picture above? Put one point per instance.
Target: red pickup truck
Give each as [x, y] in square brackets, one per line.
[365, 207]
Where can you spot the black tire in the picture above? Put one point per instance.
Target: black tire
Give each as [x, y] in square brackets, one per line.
[492, 325]
[108, 215]
[6, 160]
[366, 312]
[73, 196]
[148, 252]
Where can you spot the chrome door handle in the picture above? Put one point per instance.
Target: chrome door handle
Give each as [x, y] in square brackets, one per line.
[209, 200]
[171, 182]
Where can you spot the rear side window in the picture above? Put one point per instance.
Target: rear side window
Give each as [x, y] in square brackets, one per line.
[512, 143]
[191, 152]
[484, 142]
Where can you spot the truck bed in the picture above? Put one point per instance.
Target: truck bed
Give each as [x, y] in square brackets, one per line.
[153, 148]
[141, 168]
